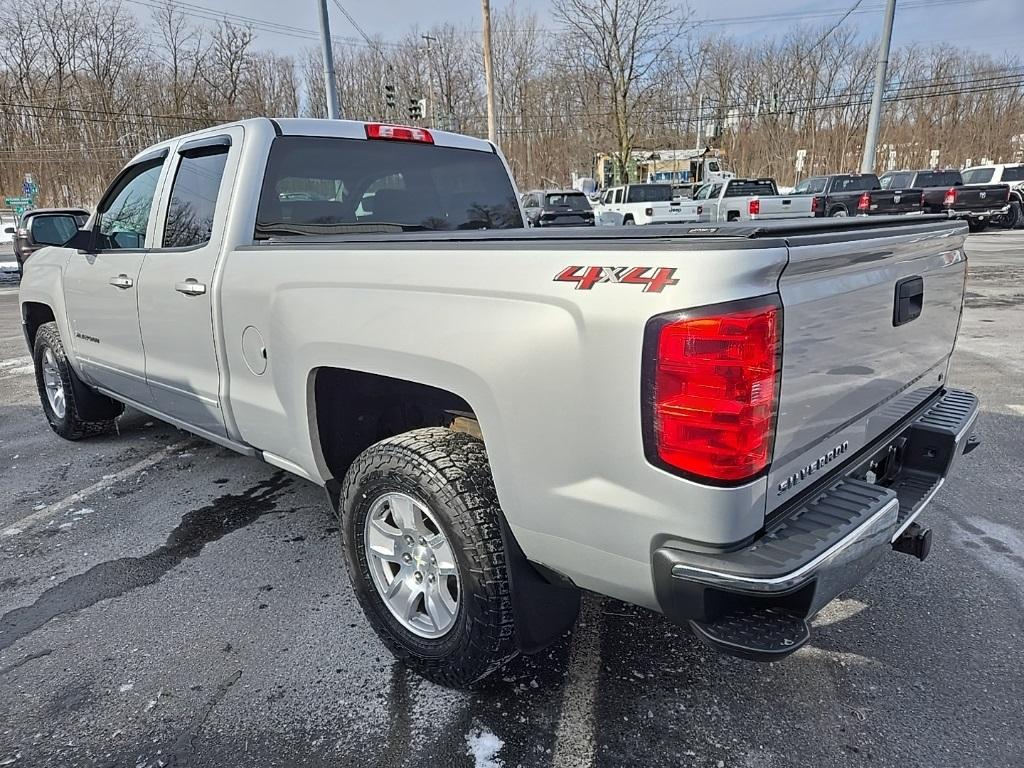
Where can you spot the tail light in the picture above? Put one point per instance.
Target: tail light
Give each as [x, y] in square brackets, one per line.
[649, 211]
[700, 210]
[754, 207]
[814, 205]
[864, 203]
[710, 390]
[950, 199]
[398, 133]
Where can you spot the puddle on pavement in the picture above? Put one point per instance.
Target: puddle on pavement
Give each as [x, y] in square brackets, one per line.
[114, 578]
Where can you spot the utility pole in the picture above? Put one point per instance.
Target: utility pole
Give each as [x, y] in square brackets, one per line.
[867, 164]
[333, 109]
[492, 130]
[429, 111]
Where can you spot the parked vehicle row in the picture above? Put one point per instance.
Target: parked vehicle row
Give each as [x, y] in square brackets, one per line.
[945, 192]
[856, 194]
[500, 417]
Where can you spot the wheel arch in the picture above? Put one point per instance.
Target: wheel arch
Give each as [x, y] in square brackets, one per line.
[351, 410]
[33, 315]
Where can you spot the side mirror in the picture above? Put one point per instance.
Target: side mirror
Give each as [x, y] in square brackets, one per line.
[82, 240]
[54, 229]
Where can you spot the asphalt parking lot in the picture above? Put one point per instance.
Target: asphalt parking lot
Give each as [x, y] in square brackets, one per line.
[165, 602]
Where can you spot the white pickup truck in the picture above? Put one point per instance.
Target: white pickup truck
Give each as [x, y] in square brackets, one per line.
[750, 200]
[730, 425]
[644, 204]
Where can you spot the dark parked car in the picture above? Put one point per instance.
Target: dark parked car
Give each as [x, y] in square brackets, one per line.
[857, 194]
[46, 226]
[557, 208]
[945, 192]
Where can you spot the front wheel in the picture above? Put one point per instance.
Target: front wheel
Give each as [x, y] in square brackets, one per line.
[422, 541]
[57, 383]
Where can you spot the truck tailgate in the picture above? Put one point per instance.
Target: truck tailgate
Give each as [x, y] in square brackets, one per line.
[895, 201]
[849, 371]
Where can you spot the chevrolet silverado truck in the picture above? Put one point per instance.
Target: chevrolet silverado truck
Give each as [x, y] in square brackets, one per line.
[644, 204]
[730, 425]
[945, 192]
[858, 194]
[749, 200]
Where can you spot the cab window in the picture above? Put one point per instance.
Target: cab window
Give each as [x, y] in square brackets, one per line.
[124, 214]
[194, 197]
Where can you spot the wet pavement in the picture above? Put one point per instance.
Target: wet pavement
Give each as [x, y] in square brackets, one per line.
[165, 602]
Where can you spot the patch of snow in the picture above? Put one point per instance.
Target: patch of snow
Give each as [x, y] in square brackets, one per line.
[126, 687]
[14, 362]
[22, 370]
[484, 747]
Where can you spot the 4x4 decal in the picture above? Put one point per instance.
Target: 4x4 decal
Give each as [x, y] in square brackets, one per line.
[587, 277]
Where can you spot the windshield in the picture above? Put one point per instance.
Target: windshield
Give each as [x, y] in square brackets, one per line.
[318, 186]
[650, 193]
[577, 202]
[979, 175]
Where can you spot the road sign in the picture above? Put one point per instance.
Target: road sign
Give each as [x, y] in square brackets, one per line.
[800, 155]
[933, 159]
[15, 201]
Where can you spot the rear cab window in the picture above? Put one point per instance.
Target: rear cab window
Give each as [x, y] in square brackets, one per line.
[896, 180]
[859, 183]
[574, 201]
[983, 175]
[750, 188]
[938, 179]
[328, 186]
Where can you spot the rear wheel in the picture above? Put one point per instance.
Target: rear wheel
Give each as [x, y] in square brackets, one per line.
[57, 383]
[423, 545]
[839, 212]
[628, 221]
[975, 225]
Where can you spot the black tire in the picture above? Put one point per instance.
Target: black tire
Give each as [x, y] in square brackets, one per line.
[448, 472]
[977, 226]
[1013, 217]
[72, 426]
[839, 212]
[628, 221]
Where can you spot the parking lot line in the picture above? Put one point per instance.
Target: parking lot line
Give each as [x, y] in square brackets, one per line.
[574, 738]
[56, 508]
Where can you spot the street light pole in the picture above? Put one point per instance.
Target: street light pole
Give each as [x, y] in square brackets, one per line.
[333, 109]
[492, 130]
[867, 164]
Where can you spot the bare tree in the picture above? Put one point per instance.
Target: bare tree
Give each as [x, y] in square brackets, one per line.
[623, 40]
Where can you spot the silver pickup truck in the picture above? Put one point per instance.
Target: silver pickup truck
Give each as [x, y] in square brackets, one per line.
[750, 200]
[726, 424]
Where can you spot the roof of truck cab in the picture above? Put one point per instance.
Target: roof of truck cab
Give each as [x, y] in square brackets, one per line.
[316, 128]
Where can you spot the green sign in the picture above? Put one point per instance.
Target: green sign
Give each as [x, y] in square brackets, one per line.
[14, 202]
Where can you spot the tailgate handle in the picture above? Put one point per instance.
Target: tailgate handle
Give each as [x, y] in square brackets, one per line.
[909, 300]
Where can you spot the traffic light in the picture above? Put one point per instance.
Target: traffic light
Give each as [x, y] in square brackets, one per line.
[415, 109]
[389, 96]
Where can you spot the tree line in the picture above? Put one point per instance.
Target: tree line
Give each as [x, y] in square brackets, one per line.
[87, 83]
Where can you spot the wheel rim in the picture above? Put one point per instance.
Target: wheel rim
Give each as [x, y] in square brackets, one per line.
[839, 214]
[412, 565]
[53, 384]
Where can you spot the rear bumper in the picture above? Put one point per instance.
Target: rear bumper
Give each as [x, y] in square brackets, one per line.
[826, 542]
[985, 214]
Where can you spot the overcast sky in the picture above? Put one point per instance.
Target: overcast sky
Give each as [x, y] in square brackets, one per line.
[990, 25]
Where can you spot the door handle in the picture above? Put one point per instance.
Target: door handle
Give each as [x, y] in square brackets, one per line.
[190, 287]
[121, 281]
